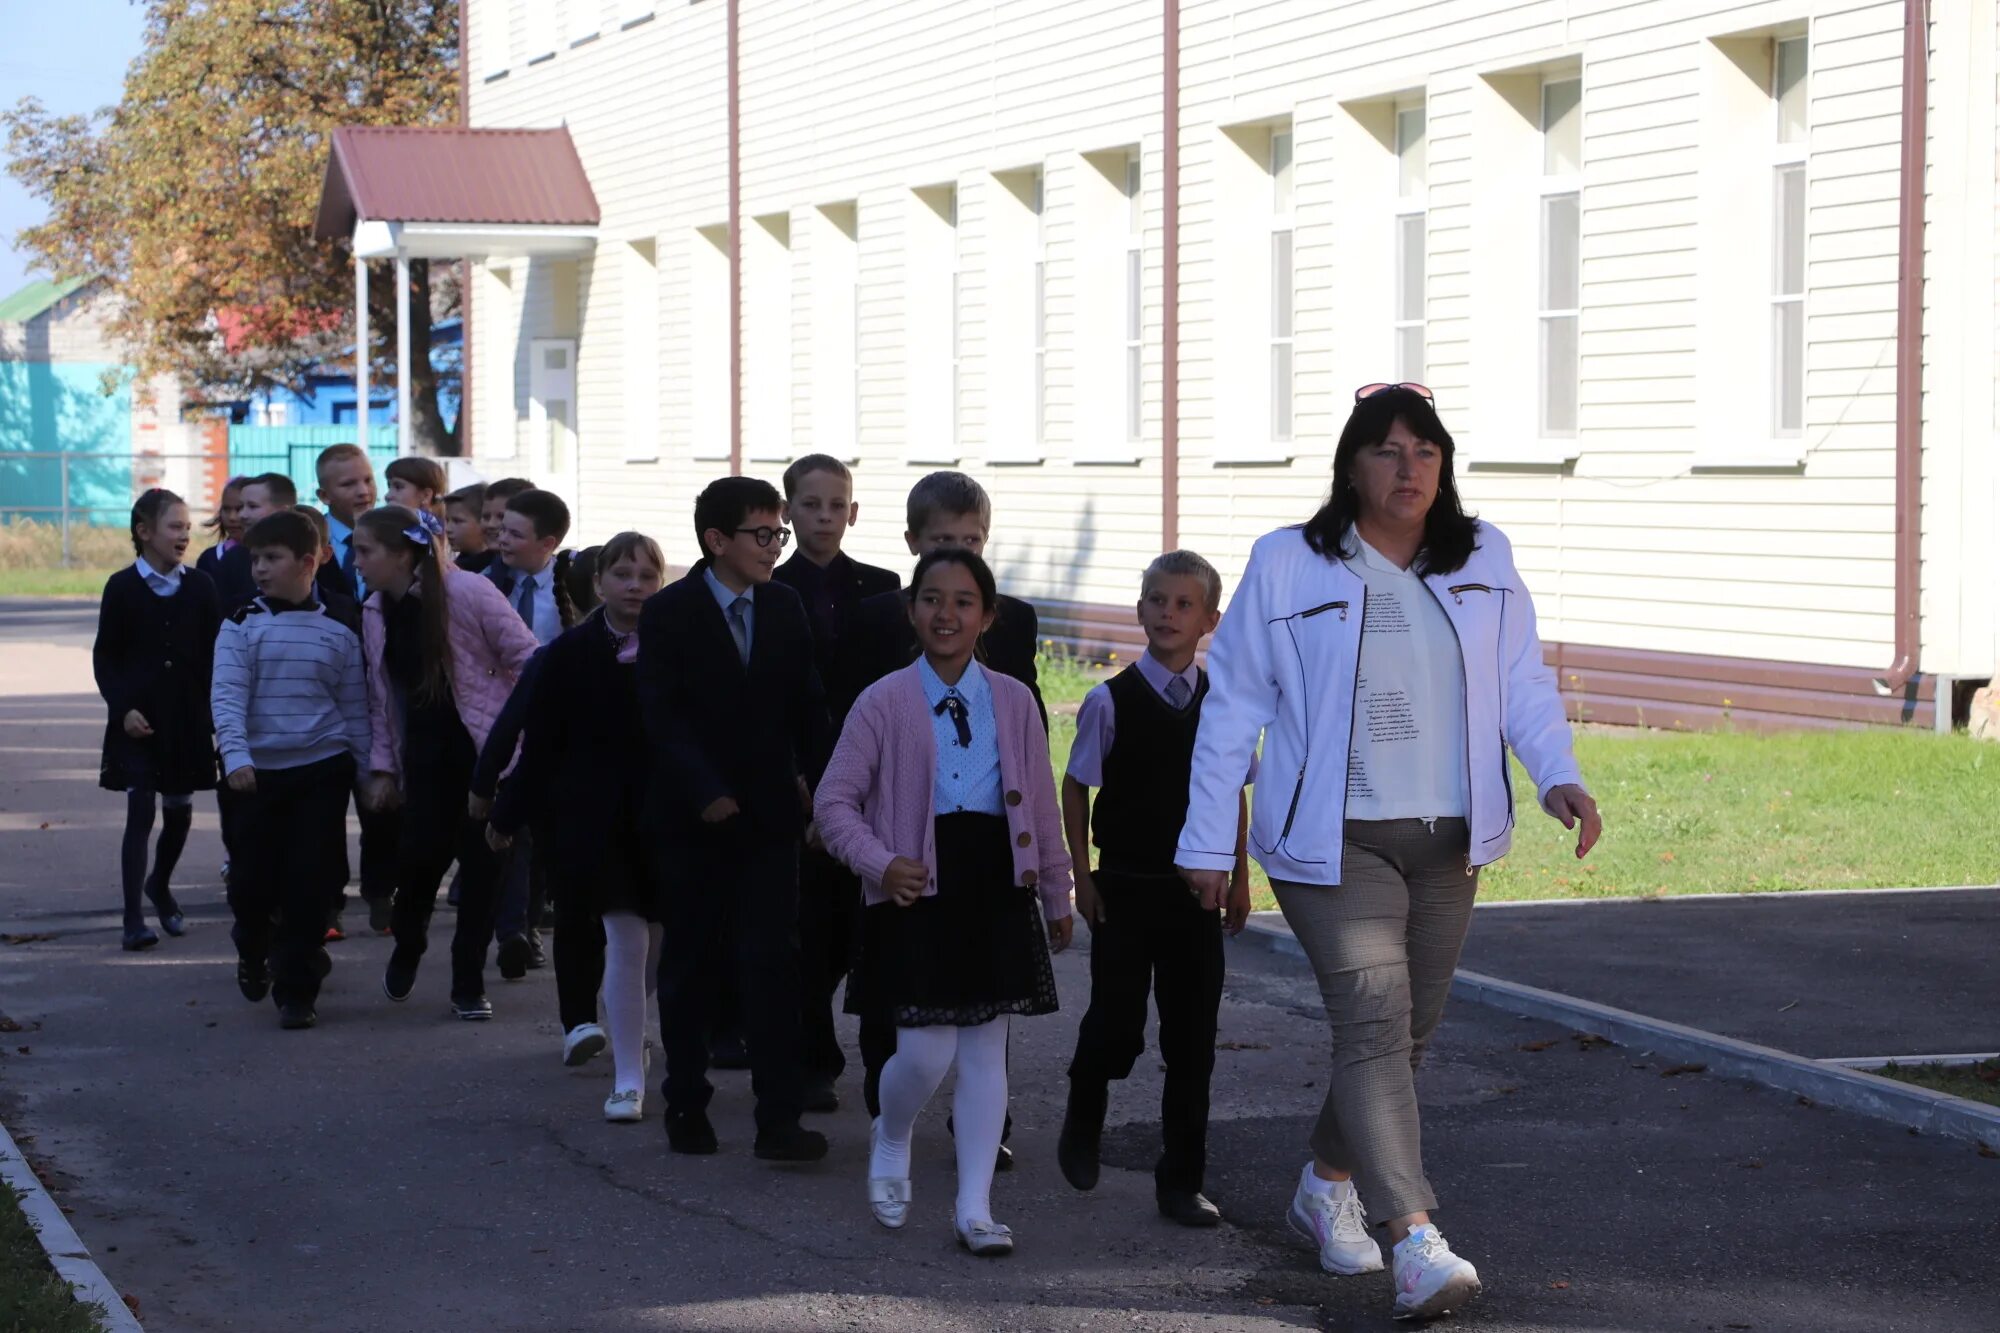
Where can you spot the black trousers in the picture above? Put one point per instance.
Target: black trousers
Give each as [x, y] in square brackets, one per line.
[435, 829]
[732, 915]
[829, 902]
[289, 862]
[578, 955]
[1154, 934]
[381, 850]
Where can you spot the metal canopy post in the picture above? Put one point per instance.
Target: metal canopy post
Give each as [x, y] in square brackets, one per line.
[361, 352]
[405, 435]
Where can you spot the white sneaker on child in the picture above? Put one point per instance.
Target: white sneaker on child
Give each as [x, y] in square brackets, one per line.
[1335, 1221]
[581, 1043]
[1430, 1279]
[624, 1108]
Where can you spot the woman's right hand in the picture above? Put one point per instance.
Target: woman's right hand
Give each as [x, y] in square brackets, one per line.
[379, 793]
[1211, 887]
[904, 881]
[136, 725]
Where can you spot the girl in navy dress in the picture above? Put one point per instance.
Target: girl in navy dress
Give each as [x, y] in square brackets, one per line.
[156, 629]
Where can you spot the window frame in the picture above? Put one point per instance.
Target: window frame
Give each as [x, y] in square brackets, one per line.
[1135, 298]
[1408, 206]
[1283, 238]
[1556, 187]
[1788, 160]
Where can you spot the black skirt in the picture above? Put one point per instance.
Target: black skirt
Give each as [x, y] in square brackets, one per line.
[974, 950]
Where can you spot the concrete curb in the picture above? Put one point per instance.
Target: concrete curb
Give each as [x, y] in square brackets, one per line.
[64, 1247]
[1921, 1109]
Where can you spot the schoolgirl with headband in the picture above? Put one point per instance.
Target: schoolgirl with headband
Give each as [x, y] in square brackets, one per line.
[443, 651]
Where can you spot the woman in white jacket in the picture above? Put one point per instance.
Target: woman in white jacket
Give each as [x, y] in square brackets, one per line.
[1385, 652]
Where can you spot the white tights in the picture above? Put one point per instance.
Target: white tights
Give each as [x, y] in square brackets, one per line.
[631, 967]
[978, 1104]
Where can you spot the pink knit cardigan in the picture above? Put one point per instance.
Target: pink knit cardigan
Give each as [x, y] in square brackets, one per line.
[490, 643]
[875, 801]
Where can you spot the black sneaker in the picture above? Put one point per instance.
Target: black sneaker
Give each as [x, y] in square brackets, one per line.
[1077, 1150]
[295, 1016]
[253, 978]
[473, 1008]
[538, 956]
[690, 1132]
[514, 953]
[1189, 1208]
[322, 962]
[381, 915]
[1003, 1161]
[792, 1143]
[399, 978]
[821, 1099]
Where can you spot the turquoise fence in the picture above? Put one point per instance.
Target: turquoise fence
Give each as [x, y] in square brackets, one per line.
[293, 450]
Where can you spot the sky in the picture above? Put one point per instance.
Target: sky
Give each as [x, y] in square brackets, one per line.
[72, 55]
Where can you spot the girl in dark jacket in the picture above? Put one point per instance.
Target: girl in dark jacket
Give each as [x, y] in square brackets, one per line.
[156, 629]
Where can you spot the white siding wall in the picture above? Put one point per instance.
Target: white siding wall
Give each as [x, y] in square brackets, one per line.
[1640, 541]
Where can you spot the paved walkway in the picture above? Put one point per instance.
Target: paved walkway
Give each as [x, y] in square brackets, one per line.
[393, 1169]
[1821, 975]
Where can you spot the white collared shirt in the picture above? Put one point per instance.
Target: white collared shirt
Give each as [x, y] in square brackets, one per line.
[163, 585]
[544, 617]
[1407, 759]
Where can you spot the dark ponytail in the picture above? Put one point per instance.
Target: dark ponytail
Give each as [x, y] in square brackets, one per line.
[559, 585]
[392, 526]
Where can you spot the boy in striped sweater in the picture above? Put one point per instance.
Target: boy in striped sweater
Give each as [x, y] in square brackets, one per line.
[290, 702]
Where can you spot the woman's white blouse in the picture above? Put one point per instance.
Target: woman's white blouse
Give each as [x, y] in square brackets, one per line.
[1407, 759]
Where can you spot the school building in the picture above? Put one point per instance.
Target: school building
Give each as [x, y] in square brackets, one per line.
[1706, 293]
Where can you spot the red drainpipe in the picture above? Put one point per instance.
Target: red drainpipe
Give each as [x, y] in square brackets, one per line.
[735, 255]
[1170, 284]
[1909, 349]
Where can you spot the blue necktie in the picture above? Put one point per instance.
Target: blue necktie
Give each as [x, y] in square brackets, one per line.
[739, 627]
[524, 600]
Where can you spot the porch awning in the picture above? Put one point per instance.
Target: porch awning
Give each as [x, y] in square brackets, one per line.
[453, 193]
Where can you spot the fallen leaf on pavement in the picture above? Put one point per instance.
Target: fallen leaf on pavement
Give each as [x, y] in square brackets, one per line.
[24, 939]
[1537, 1045]
[1985, 1151]
[1242, 1046]
[1752, 1165]
[1673, 1071]
[1558, 1286]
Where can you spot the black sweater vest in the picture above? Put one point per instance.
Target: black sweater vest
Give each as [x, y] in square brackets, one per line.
[1137, 819]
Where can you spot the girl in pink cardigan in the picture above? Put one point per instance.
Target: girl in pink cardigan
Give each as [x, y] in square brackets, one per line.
[443, 650]
[940, 797]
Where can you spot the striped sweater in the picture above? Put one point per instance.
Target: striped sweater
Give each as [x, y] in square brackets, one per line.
[289, 688]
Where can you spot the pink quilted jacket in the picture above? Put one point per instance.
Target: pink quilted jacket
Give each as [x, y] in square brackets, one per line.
[489, 645]
[875, 801]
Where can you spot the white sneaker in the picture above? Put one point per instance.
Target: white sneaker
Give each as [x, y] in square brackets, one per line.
[1430, 1279]
[1336, 1222]
[624, 1108]
[582, 1042]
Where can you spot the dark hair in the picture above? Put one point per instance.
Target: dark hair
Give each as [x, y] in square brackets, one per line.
[579, 580]
[946, 493]
[1449, 532]
[810, 464]
[284, 491]
[725, 503]
[337, 453]
[318, 520]
[982, 573]
[391, 525]
[421, 473]
[286, 528]
[544, 509]
[507, 488]
[147, 510]
[214, 521]
[471, 497]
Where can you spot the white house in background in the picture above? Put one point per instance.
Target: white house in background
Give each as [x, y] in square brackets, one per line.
[1126, 262]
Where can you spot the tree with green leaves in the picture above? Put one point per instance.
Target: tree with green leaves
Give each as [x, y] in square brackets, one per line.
[194, 196]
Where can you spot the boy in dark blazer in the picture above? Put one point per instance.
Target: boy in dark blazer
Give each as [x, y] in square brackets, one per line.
[819, 505]
[736, 724]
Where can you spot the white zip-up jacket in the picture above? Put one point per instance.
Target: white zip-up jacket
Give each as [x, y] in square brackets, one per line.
[1283, 667]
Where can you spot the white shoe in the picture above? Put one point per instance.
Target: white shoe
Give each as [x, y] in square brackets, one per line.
[582, 1042]
[1430, 1279]
[627, 1107]
[986, 1240]
[888, 1196]
[1335, 1222]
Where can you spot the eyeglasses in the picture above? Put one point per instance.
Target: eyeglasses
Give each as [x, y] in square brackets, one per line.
[1370, 390]
[765, 536]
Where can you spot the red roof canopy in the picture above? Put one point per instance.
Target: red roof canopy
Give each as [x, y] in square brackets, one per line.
[493, 177]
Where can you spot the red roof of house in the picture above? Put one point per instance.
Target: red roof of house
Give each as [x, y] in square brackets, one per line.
[449, 174]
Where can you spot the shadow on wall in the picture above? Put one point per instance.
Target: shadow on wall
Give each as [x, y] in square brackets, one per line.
[46, 409]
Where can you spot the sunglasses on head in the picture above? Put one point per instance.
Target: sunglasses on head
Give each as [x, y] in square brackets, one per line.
[1370, 390]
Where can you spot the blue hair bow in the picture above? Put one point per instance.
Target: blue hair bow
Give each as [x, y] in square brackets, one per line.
[426, 530]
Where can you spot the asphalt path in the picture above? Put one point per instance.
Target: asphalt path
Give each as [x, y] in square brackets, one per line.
[394, 1169]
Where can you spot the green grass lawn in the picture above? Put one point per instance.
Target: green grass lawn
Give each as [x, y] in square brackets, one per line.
[32, 1298]
[1978, 1083]
[86, 583]
[1729, 812]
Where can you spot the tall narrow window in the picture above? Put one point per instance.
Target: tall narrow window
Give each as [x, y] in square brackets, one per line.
[1412, 190]
[1788, 250]
[957, 328]
[1135, 278]
[1281, 284]
[1561, 287]
[1038, 326]
[642, 352]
